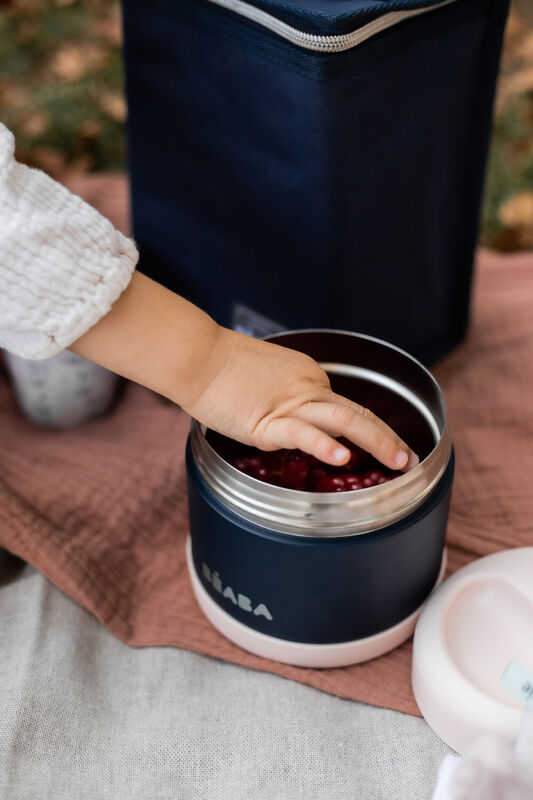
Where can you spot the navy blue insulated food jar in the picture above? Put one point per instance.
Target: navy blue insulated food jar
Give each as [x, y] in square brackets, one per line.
[325, 579]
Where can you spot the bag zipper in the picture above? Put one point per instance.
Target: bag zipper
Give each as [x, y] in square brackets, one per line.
[323, 44]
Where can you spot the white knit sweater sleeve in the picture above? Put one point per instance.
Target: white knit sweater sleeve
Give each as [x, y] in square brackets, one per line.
[62, 265]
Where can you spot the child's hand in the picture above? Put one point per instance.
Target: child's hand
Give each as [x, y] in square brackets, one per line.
[271, 397]
[253, 391]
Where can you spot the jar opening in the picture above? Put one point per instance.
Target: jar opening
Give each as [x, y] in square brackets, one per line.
[372, 373]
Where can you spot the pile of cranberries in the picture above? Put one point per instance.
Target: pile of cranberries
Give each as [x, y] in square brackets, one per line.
[293, 469]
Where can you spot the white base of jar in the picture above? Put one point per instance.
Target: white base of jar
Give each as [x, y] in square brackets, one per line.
[299, 654]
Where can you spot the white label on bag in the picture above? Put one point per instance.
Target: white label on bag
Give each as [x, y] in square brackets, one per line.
[519, 682]
[246, 320]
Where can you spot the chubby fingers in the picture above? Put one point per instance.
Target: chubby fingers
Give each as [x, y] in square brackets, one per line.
[413, 459]
[359, 425]
[295, 433]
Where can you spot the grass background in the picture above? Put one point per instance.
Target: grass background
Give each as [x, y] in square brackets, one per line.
[61, 93]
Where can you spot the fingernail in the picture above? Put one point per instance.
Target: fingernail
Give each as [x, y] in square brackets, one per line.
[340, 454]
[401, 459]
[413, 460]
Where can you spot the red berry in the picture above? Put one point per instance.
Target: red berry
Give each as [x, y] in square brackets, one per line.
[316, 474]
[353, 482]
[242, 464]
[376, 474]
[358, 457]
[271, 459]
[294, 470]
[263, 474]
[372, 478]
[332, 483]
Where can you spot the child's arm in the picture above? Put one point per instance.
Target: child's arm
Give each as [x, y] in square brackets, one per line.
[66, 280]
[253, 391]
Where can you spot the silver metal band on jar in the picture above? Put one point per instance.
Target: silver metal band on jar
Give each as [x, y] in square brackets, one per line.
[350, 513]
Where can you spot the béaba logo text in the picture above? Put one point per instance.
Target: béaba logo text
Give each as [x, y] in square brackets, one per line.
[237, 599]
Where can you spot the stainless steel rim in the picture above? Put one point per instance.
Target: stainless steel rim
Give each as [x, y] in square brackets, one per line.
[328, 514]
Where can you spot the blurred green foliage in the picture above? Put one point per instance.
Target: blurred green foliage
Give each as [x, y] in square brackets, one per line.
[507, 214]
[61, 85]
[61, 92]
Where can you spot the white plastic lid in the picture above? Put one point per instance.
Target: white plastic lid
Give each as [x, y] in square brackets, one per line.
[472, 627]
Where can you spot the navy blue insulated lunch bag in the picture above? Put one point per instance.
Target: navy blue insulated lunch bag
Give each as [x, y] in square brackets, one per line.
[313, 163]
